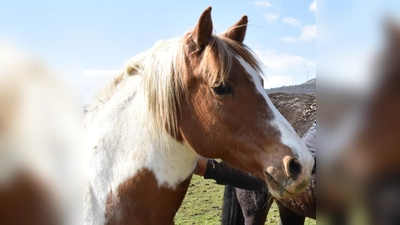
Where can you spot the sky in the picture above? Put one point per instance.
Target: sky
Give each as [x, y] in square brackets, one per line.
[94, 39]
[88, 41]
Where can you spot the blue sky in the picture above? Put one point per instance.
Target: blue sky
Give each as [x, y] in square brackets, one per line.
[95, 38]
[89, 40]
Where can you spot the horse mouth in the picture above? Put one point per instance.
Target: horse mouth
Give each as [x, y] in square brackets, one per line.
[276, 189]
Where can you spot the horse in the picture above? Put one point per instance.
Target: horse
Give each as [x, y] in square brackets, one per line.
[250, 207]
[39, 143]
[364, 175]
[199, 94]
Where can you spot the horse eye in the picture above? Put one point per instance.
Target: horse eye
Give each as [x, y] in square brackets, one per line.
[222, 89]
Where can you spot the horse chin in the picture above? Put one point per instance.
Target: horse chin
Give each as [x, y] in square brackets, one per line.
[284, 189]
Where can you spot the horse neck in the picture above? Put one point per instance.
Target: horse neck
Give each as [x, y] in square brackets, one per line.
[120, 142]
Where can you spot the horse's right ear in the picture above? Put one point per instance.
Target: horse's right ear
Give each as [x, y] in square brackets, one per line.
[202, 32]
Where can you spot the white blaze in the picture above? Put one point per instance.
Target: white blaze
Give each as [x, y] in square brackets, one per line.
[288, 135]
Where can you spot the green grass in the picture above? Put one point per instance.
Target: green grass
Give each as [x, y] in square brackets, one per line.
[203, 205]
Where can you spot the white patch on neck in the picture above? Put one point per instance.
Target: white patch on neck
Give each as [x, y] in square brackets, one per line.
[119, 143]
[288, 135]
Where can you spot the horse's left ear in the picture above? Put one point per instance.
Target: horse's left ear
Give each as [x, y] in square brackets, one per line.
[237, 32]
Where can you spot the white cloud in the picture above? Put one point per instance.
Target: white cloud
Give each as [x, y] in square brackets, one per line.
[263, 4]
[273, 80]
[284, 69]
[99, 73]
[282, 62]
[269, 17]
[313, 6]
[291, 21]
[308, 33]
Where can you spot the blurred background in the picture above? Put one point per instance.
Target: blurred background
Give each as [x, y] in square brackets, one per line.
[359, 106]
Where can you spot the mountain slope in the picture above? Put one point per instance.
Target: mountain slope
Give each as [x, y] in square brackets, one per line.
[309, 87]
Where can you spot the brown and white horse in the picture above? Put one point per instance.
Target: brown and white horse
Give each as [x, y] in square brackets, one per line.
[199, 94]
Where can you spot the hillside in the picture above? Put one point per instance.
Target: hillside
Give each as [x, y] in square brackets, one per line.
[309, 87]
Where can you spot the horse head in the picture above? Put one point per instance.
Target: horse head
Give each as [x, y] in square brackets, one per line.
[227, 114]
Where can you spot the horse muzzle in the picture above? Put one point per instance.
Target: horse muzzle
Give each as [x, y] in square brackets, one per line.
[289, 180]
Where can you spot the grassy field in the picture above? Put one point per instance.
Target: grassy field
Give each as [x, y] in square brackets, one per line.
[203, 205]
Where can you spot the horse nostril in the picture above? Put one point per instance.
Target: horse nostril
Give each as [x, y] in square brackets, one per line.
[294, 169]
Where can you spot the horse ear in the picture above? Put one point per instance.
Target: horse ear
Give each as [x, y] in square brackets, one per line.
[238, 30]
[392, 31]
[202, 32]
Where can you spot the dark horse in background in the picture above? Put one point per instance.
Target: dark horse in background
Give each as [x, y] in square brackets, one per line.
[251, 207]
